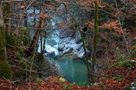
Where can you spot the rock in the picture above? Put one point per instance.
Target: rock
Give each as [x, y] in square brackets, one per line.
[51, 54]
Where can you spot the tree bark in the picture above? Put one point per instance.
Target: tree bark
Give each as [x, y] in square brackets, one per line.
[95, 42]
[4, 66]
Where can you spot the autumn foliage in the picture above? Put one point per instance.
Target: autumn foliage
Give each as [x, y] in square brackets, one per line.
[117, 37]
[117, 78]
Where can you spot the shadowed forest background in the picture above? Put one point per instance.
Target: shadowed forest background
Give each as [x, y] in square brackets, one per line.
[67, 44]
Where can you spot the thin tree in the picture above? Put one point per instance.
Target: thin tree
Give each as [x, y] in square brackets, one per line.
[95, 42]
[4, 66]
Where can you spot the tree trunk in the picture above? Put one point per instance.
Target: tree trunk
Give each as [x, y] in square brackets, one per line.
[95, 42]
[4, 66]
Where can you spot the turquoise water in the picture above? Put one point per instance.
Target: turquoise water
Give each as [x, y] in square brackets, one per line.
[75, 71]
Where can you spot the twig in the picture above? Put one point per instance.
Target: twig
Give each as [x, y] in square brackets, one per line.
[125, 39]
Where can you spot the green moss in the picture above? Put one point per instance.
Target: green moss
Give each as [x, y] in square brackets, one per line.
[126, 64]
[2, 39]
[10, 40]
[4, 66]
[5, 69]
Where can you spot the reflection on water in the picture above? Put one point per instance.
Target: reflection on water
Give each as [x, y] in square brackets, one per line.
[74, 71]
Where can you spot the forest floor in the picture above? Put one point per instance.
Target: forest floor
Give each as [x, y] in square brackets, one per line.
[120, 76]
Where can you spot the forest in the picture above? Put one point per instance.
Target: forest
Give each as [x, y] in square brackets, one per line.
[67, 44]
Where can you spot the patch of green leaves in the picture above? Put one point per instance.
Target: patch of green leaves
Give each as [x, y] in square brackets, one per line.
[118, 77]
[124, 62]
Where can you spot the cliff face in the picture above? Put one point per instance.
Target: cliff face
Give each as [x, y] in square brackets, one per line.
[57, 46]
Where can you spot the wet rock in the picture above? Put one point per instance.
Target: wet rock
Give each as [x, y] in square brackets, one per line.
[51, 54]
